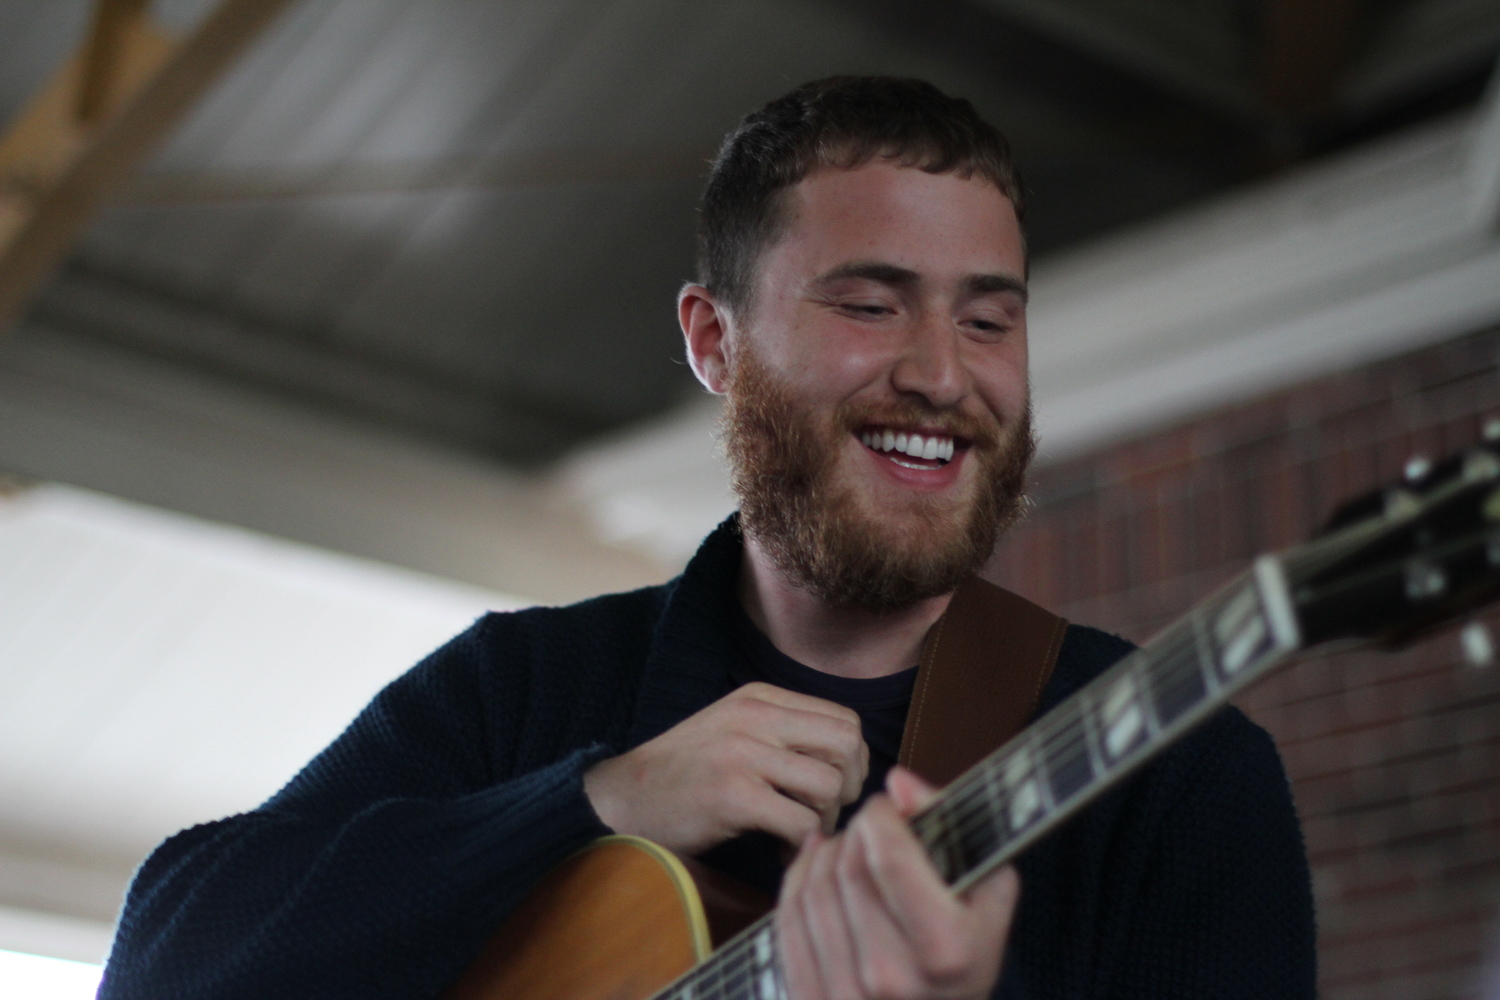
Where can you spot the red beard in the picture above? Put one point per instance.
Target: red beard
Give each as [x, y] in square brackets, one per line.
[814, 528]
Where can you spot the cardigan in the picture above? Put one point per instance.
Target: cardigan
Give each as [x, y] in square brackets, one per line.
[378, 872]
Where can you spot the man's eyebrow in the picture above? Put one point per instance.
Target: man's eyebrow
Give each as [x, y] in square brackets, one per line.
[869, 270]
[890, 274]
[995, 284]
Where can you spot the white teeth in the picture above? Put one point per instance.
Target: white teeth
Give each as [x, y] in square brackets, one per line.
[926, 448]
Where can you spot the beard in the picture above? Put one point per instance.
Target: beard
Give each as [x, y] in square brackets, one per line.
[853, 552]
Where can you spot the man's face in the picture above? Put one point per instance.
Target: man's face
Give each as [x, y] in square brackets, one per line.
[890, 311]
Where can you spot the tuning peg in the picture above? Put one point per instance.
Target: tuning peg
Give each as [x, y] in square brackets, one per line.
[1479, 649]
[1417, 467]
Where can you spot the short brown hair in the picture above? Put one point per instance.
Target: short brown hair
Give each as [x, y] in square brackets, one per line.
[841, 121]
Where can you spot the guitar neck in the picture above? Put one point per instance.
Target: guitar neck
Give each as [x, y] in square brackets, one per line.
[1066, 759]
[1110, 727]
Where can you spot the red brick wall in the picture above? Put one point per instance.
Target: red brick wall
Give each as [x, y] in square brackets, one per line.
[1394, 758]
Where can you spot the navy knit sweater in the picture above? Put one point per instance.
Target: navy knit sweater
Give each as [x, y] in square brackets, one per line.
[381, 868]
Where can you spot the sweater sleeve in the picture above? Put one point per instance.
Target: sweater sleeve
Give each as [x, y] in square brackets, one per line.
[1222, 901]
[376, 873]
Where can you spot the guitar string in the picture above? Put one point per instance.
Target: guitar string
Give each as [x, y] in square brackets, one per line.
[959, 807]
[1067, 720]
[1180, 652]
[972, 795]
[736, 970]
[987, 801]
[962, 807]
[730, 964]
[960, 803]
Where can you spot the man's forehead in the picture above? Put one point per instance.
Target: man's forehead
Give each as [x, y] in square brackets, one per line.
[881, 204]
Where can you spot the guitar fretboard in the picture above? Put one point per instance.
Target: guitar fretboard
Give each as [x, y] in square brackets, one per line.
[1066, 759]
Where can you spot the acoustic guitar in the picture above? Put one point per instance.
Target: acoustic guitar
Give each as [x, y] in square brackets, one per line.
[625, 919]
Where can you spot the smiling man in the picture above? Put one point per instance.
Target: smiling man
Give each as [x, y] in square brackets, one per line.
[861, 305]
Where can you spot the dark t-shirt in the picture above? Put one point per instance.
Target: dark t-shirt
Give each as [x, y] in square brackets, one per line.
[880, 701]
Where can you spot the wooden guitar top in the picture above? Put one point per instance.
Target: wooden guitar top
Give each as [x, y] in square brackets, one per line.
[619, 920]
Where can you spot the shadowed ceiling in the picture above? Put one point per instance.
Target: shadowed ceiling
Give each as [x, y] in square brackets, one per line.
[467, 220]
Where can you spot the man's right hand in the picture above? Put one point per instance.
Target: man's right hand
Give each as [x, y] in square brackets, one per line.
[760, 758]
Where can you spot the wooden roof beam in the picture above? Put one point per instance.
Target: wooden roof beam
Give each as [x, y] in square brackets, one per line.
[100, 114]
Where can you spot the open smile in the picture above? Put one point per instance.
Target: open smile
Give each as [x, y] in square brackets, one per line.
[912, 448]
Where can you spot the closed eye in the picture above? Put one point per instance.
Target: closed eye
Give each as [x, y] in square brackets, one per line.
[871, 310]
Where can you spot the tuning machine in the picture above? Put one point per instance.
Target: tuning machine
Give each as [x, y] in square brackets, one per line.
[1477, 645]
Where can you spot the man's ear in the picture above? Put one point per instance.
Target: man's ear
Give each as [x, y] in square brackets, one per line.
[705, 327]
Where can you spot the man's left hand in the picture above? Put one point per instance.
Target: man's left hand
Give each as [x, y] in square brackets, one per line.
[865, 914]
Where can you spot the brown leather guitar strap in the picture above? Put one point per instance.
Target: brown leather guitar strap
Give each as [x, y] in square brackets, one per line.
[984, 665]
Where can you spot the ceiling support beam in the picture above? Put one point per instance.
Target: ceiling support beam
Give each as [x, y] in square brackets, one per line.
[121, 37]
[98, 116]
[547, 167]
[1484, 160]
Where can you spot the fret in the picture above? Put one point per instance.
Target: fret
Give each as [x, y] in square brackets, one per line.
[978, 838]
[957, 831]
[1070, 765]
[1122, 716]
[980, 834]
[1198, 619]
[1238, 631]
[1026, 793]
[1177, 677]
[767, 970]
[728, 968]
[951, 848]
[1253, 627]
[1093, 739]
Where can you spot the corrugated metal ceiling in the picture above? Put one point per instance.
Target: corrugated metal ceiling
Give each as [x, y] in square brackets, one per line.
[469, 219]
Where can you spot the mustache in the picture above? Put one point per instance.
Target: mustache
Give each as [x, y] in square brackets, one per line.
[981, 430]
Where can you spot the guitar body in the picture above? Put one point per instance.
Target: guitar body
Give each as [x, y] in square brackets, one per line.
[619, 920]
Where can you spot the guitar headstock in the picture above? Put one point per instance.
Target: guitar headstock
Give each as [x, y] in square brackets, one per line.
[1405, 558]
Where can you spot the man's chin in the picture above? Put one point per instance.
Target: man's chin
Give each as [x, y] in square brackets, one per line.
[911, 532]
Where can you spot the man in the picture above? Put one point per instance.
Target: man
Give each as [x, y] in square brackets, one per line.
[862, 307]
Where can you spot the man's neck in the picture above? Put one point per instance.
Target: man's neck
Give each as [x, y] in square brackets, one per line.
[841, 641]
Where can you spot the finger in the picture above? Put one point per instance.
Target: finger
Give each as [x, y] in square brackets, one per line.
[992, 901]
[823, 914]
[807, 780]
[762, 807]
[838, 742]
[795, 700]
[921, 905]
[884, 962]
[794, 942]
[908, 791]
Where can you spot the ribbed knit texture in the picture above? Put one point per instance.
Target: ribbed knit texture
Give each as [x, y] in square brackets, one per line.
[378, 872]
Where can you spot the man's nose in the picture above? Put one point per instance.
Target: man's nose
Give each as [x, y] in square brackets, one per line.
[931, 364]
